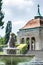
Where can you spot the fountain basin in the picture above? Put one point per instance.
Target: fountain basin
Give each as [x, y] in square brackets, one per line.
[10, 50]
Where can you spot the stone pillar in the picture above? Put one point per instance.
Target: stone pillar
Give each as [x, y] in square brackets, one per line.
[30, 43]
[25, 39]
[37, 44]
[18, 40]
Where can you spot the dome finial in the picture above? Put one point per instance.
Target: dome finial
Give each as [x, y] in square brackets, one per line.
[39, 10]
[38, 13]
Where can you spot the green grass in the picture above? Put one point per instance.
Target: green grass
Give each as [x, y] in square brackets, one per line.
[1, 53]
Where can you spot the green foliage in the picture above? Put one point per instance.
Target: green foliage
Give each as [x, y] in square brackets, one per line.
[1, 14]
[2, 43]
[27, 40]
[1, 47]
[22, 48]
[2, 40]
[7, 32]
[15, 38]
[17, 45]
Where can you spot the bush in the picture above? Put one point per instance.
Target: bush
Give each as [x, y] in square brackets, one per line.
[17, 45]
[2, 46]
[22, 48]
[2, 41]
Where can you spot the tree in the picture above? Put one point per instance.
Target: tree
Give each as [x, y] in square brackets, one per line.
[7, 32]
[1, 14]
[2, 40]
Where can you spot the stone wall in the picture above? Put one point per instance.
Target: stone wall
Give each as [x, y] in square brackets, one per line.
[34, 32]
[41, 37]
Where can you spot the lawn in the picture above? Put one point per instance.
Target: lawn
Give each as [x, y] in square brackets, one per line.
[1, 53]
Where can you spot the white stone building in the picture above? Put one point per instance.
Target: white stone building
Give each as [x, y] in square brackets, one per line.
[32, 33]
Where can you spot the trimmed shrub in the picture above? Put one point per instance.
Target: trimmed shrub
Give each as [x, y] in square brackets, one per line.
[22, 48]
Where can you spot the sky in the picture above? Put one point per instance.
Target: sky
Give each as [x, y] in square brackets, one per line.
[19, 12]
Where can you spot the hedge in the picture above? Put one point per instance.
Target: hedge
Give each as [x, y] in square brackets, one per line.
[22, 48]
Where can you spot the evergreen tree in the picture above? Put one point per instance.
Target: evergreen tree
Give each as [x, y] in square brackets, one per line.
[1, 14]
[7, 32]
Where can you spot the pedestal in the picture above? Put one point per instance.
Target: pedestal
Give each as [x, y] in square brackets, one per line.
[10, 50]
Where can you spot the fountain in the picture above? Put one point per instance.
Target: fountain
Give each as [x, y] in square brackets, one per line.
[34, 61]
[11, 49]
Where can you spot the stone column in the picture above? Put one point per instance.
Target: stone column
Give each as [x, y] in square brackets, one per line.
[18, 40]
[25, 39]
[30, 43]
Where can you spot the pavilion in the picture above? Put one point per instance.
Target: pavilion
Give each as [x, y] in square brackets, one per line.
[32, 33]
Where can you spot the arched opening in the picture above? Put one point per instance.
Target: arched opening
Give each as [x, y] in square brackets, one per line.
[33, 43]
[22, 40]
[27, 41]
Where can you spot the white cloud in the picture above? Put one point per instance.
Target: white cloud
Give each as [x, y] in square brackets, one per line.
[17, 25]
[19, 3]
[16, 9]
[18, 22]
